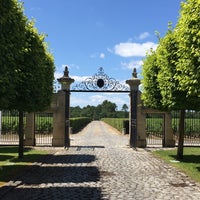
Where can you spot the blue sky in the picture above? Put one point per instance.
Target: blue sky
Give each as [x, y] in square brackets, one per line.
[113, 34]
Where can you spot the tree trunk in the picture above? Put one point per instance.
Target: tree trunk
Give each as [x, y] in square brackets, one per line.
[181, 135]
[21, 135]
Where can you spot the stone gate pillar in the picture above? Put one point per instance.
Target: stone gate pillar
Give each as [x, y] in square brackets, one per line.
[169, 137]
[136, 117]
[59, 120]
[29, 130]
[63, 115]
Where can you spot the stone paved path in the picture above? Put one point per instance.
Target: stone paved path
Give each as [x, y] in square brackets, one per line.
[100, 165]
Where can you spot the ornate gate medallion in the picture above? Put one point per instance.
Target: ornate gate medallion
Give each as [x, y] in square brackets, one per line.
[100, 82]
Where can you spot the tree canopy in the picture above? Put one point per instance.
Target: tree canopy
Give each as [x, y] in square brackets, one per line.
[26, 65]
[12, 41]
[172, 72]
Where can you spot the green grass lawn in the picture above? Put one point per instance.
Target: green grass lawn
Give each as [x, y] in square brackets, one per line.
[10, 165]
[190, 164]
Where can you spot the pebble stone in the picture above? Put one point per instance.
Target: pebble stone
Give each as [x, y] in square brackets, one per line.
[99, 165]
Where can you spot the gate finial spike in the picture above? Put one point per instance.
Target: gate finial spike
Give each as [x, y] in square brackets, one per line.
[66, 72]
[134, 74]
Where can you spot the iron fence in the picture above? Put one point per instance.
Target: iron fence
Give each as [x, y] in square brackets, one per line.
[155, 129]
[9, 123]
[43, 128]
[192, 127]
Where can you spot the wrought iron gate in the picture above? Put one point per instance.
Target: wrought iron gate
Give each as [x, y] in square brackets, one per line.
[43, 128]
[155, 131]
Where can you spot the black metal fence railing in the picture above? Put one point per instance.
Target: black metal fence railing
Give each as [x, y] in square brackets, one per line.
[43, 128]
[154, 129]
[192, 127]
[9, 123]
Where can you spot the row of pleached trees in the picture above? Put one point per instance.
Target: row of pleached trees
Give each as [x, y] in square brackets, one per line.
[26, 64]
[172, 72]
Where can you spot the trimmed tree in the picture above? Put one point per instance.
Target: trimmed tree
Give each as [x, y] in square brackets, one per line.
[188, 66]
[29, 67]
[172, 97]
[178, 77]
[12, 41]
[34, 90]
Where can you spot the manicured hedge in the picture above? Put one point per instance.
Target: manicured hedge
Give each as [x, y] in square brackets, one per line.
[121, 124]
[78, 123]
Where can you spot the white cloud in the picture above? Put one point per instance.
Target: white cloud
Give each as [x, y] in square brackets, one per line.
[129, 49]
[79, 78]
[118, 99]
[70, 66]
[143, 35]
[78, 100]
[97, 99]
[102, 55]
[132, 64]
[83, 99]
[58, 74]
[97, 55]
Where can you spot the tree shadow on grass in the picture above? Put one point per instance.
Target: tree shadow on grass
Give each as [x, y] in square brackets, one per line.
[189, 158]
[198, 168]
[11, 149]
[5, 157]
[30, 158]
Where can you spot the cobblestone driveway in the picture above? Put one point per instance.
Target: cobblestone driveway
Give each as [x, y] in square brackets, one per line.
[100, 165]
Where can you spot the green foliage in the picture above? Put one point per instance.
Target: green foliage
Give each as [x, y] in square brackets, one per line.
[151, 94]
[172, 72]
[10, 122]
[166, 60]
[27, 67]
[10, 126]
[106, 109]
[119, 123]
[154, 124]
[44, 126]
[12, 37]
[78, 123]
[75, 111]
[188, 36]
[36, 77]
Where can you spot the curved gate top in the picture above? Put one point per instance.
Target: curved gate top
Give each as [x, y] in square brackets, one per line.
[100, 82]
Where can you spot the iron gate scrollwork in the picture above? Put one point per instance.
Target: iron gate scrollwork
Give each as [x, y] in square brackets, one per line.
[100, 82]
